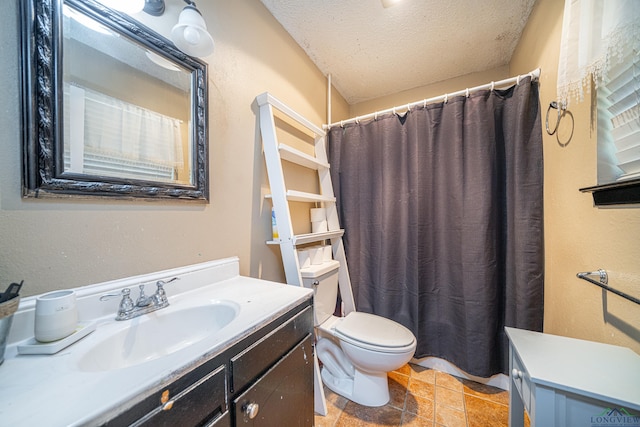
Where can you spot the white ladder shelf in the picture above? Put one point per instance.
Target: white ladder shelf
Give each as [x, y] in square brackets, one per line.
[280, 196]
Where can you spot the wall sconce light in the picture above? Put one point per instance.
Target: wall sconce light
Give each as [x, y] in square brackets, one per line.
[190, 34]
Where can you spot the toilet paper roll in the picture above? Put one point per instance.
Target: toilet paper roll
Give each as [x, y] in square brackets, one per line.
[319, 226]
[318, 214]
[316, 255]
[304, 258]
[327, 254]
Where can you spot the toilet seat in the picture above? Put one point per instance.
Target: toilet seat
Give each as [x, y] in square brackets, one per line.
[374, 333]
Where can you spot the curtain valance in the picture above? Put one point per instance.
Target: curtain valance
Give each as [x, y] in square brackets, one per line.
[596, 36]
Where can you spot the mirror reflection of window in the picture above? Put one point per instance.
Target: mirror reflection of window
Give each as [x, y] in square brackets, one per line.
[127, 112]
[111, 137]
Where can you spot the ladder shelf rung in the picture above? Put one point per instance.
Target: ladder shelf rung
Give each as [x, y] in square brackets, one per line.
[301, 239]
[298, 157]
[301, 196]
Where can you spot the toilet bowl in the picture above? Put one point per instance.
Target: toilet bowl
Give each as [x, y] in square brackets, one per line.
[358, 350]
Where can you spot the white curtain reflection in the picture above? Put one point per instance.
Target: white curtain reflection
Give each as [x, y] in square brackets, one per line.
[117, 138]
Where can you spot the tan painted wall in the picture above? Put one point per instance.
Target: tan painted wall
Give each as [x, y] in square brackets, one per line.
[54, 244]
[429, 91]
[579, 236]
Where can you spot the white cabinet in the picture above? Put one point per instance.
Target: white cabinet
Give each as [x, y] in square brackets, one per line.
[565, 382]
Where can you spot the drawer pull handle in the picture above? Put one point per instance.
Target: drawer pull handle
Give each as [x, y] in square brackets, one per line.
[251, 410]
[164, 400]
[516, 374]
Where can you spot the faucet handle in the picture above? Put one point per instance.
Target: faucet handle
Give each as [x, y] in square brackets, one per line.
[110, 295]
[126, 304]
[161, 283]
[160, 295]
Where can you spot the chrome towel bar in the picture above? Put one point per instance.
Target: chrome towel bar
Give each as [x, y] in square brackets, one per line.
[603, 283]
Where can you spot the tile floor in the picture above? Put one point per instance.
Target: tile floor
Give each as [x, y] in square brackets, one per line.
[423, 397]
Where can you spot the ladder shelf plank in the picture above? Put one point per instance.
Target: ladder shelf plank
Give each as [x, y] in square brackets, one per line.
[298, 157]
[301, 239]
[301, 196]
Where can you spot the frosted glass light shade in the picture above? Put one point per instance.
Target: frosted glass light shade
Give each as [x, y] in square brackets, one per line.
[190, 34]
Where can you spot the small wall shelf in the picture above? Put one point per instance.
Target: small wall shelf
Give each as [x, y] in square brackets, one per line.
[617, 193]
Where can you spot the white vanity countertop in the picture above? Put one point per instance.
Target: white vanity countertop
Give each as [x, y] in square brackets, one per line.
[51, 390]
[601, 371]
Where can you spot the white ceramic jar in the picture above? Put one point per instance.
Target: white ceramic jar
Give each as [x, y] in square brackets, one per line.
[56, 315]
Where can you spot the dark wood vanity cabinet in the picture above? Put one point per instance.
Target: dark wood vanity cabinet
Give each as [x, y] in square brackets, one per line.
[282, 396]
[266, 379]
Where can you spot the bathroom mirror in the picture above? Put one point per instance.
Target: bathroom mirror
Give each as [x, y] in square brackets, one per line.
[110, 108]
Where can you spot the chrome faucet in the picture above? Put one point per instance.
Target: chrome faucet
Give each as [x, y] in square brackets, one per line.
[144, 304]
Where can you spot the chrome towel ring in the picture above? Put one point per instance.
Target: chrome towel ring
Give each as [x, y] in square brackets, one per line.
[562, 111]
[561, 107]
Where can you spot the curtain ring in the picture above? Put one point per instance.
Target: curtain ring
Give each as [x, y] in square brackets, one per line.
[424, 104]
[342, 124]
[408, 108]
[357, 120]
[493, 86]
[375, 116]
[518, 80]
[467, 93]
[446, 98]
[553, 104]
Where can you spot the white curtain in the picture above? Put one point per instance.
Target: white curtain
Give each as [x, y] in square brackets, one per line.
[596, 36]
[108, 136]
[122, 130]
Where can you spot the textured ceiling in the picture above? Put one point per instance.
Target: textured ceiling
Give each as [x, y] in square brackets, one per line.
[371, 51]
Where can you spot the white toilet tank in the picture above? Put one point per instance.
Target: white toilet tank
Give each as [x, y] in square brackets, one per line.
[323, 279]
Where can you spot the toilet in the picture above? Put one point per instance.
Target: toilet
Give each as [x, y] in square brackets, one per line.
[358, 350]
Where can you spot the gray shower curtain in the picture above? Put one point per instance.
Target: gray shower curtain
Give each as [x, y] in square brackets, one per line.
[443, 218]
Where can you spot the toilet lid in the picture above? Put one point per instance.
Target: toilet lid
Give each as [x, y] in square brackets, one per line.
[374, 330]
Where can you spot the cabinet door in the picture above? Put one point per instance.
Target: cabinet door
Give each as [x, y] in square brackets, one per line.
[284, 395]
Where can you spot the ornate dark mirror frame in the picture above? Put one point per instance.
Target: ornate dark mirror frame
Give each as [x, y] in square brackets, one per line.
[42, 107]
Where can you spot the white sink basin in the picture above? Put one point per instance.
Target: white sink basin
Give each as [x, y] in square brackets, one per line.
[156, 334]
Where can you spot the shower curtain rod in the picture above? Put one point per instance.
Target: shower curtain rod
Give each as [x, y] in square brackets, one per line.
[535, 75]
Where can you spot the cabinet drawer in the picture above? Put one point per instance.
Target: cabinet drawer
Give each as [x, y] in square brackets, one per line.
[203, 401]
[258, 357]
[521, 380]
[283, 396]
